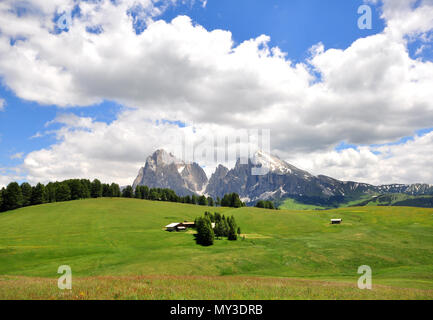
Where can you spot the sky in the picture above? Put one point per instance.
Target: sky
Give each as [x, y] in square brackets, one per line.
[89, 89]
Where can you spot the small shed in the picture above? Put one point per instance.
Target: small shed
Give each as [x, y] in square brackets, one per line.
[188, 224]
[336, 221]
[172, 226]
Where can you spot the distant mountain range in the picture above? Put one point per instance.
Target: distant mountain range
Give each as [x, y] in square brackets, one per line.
[282, 180]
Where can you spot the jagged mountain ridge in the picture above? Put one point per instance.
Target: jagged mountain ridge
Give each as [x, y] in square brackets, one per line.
[280, 180]
[164, 170]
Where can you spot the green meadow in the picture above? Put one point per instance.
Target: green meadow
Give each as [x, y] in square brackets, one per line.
[118, 249]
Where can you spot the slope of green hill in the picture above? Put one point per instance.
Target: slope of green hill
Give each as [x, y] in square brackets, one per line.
[397, 200]
[126, 238]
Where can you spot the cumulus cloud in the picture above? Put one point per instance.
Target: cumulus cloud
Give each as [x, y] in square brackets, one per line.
[373, 92]
[408, 162]
[115, 152]
[2, 104]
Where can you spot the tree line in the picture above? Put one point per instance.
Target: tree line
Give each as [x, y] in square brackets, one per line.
[266, 205]
[212, 226]
[16, 196]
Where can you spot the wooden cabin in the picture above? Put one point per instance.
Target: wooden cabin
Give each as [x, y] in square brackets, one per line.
[179, 226]
[172, 226]
[188, 224]
[336, 221]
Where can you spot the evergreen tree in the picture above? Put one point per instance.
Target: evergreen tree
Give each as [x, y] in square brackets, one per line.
[271, 205]
[137, 194]
[235, 201]
[128, 192]
[12, 197]
[232, 229]
[225, 226]
[76, 188]
[63, 192]
[260, 204]
[202, 201]
[205, 233]
[50, 192]
[106, 191]
[87, 187]
[265, 204]
[145, 192]
[115, 190]
[26, 190]
[210, 202]
[38, 194]
[219, 229]
[96, 189]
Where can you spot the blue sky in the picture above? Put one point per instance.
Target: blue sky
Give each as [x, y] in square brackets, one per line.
[293, 26]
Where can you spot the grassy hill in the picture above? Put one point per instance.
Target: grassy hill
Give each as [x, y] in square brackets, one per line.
[393, 199]
[117, 249]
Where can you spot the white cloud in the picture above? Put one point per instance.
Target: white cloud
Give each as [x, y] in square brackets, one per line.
[408, 162]
[2, 104]
[372, 92]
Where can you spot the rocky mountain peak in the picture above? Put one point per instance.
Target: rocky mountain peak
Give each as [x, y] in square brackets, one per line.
[164, 170]
[281, 180]
[162, 157]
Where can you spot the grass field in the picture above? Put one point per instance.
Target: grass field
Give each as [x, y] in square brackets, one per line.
[292, 204]
[117, 249]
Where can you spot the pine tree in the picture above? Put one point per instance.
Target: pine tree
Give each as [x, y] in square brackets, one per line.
[115, 190]
[137, 193]
[38, 194]
[128, 192]
[12, 197]
[50, 192]
[26, 190]
[76, 188]
[63, 192]
[202, 201]
[210, 202]
[96, 189]
[106, 191]
[205, 233]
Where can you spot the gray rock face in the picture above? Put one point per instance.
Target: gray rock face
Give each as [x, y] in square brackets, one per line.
[164, 170]
[281, 180]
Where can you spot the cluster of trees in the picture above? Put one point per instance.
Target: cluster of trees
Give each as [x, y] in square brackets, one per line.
[15, 196]
[223, 227]
[232, 200]
[158, 194]
[266, 205]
